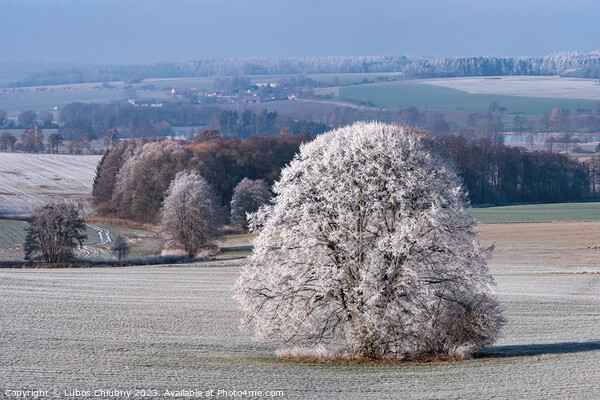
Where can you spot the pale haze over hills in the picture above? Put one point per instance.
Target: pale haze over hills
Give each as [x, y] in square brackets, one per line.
[136, 31]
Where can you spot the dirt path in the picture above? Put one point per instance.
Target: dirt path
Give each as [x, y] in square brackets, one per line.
[94, 250]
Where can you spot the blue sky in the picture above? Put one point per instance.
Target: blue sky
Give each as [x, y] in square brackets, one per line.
[141, 31]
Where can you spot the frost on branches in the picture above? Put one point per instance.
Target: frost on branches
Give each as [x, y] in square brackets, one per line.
[248, 196]
[190, 215]
[369, 249]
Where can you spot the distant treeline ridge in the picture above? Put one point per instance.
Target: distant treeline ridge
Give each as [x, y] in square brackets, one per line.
[568, 64]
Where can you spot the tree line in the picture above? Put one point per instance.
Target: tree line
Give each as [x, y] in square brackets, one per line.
[497, 174]
[132, 178]
[78, 119]
[573, 64]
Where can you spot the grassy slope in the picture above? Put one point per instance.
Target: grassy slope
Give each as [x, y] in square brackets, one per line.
[425, 96]
[12, 236]
[539, 213]
[143, 242]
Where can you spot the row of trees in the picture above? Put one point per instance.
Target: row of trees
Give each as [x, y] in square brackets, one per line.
[133, 177]
[497, 174]
[28, 119]
[88, 121]
[78, 119]
[95, 119]
[583, 65]
[190, 219]
[32, 141]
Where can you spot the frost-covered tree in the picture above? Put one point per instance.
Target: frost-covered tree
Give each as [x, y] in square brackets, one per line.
[143, 178]
[369, 249]
[54, 232]
[190, 215]
[248, 196]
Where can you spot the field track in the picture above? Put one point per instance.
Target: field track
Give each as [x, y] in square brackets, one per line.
[93, 250]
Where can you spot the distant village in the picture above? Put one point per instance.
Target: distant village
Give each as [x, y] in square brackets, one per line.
[257, 93]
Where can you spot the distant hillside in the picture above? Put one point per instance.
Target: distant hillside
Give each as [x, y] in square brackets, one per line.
[580, 65]
[29, 180]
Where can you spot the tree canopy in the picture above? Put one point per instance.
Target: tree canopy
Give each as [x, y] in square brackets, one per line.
[369, 247]
[190, 215]
[55, 230]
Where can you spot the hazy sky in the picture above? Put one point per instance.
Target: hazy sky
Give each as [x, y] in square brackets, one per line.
[141, 31]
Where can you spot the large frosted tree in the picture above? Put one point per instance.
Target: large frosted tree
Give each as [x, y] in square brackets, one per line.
[369, 249]
[190, 214]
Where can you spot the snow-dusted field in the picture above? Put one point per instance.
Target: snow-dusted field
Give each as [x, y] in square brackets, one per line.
[172, 328]
[530, 86]
[30, 180]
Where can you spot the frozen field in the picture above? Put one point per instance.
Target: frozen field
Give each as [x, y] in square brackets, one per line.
[173, 328]
[30, 180]
[530, 86]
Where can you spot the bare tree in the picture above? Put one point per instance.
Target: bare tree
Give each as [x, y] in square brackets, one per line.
[54, 232]
[121, 247]
[190, 215]
[7, 139]
[110, 138]
[594, 175]
[144, 177]
[54, 140]
[33, 139]
[85, 142]
[369, 246]
[545, 121]
[74, 147]
[248, 196]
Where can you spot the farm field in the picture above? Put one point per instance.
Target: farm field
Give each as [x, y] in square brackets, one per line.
[47, 97]
[12, 236]
[20, 101]
[538, 86]
[426, 95]
[538, 213]
[29, 180]
[173, 328]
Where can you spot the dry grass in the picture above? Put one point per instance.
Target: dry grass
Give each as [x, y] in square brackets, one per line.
[125, 223]
[566, 247]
